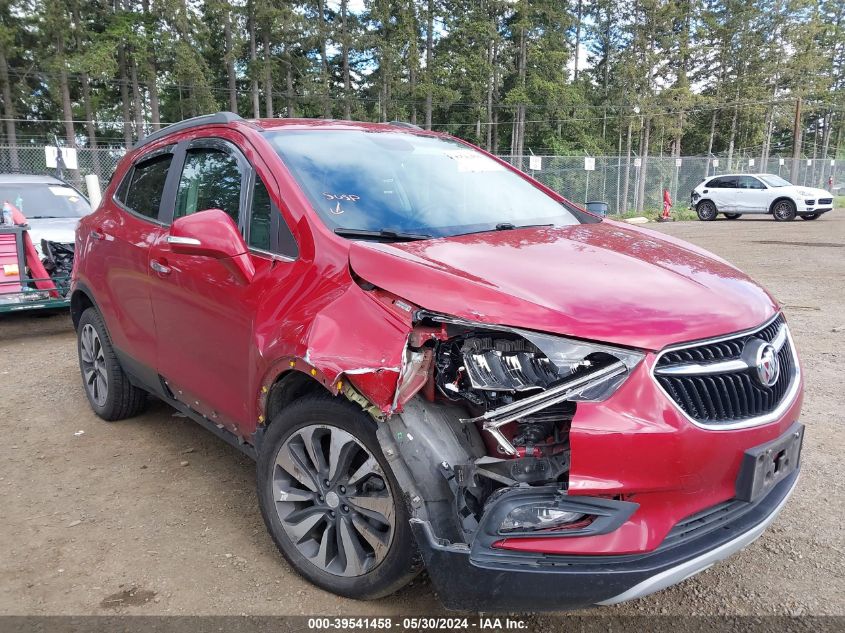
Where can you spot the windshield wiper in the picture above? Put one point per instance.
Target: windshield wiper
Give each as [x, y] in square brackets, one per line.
[506, 226]
[383, 234]
[510, 226]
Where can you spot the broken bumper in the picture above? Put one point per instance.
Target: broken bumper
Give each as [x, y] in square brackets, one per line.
[495, 580]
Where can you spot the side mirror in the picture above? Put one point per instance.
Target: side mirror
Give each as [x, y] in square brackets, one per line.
[212, 233]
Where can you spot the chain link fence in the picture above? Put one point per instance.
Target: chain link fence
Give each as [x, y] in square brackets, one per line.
[32, 159]
[622, 182]
[619, 181]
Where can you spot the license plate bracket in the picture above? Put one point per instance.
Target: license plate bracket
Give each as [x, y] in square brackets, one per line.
[764, 466]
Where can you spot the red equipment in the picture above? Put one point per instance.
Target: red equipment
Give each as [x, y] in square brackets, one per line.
[667, 205]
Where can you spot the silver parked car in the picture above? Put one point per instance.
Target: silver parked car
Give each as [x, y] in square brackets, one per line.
[51, 206]
[734, 195]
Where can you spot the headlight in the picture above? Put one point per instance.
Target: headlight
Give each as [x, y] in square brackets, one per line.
[521, 360]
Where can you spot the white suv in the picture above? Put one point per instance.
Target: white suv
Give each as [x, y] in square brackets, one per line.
[736, 194]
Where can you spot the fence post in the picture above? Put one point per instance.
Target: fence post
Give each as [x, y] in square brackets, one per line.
[92, 184]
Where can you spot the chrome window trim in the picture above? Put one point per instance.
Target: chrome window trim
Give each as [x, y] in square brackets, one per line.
[772, 416]
[271, 255]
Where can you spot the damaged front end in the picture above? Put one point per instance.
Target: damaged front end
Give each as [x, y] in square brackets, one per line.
[477, 432]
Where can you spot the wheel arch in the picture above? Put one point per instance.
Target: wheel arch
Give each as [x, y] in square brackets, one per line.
[710, 200]
[80, 300]
[781, 199]
[289, 386]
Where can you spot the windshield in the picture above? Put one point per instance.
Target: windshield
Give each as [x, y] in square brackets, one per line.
[775, 181]
[411, 184]
[42, 200]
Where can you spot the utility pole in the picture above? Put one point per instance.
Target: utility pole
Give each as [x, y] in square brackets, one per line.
[796, 141]
[624, 206]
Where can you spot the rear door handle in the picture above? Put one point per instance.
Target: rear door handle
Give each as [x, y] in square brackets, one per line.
[160, 268]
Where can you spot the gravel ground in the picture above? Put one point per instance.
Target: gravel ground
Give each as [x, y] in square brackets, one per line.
[156, 516]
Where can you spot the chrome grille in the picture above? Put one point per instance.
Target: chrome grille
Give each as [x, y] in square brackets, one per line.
[714, 385]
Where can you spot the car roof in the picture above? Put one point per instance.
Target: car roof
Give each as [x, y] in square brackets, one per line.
[743, 174]
[232, 119]
[336, 124]
[29, 179]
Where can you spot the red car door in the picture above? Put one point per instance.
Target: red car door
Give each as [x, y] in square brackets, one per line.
[121, 234]
[203, 312]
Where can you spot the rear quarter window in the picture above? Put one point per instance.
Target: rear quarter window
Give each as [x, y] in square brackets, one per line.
[143, 188]
[722, 182]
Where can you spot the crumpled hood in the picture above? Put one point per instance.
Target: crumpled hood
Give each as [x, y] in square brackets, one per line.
[605, 282]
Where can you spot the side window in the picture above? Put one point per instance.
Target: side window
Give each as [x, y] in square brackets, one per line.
[259, 223]
[727, 183]
[211, 179]
[714, 183]
[750, 182]
[146, 185]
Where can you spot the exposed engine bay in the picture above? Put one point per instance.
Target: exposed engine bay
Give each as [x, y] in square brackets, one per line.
[493, 418]
[58, 262]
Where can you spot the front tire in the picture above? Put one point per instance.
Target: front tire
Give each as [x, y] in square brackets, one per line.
[706, 211]
[331, 503]
[784, 211]
[733, 216]
[811, 216]
[110, 394]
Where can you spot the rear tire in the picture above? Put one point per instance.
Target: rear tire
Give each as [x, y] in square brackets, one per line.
[706, 211]
[109, 392]
[784, 211]
[733, 216]
[811, 216]
[345, 532]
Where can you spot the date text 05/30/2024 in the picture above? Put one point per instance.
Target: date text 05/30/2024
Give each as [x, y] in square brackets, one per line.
[417, 623]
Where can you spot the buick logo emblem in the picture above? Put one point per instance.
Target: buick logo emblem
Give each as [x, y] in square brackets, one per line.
[763, 359]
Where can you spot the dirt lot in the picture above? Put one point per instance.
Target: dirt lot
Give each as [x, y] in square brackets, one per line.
[156, 516]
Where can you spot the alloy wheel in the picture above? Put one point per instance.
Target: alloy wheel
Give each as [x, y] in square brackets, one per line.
[333, 500]
[783, 210]
[94, 365]
[706, 211]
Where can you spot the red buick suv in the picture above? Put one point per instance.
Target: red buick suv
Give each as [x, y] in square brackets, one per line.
[439, 363]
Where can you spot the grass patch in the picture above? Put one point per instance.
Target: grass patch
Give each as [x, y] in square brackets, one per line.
[839, 202]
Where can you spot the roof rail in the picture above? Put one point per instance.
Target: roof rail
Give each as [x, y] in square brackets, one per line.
[205, 119]
[413, 126]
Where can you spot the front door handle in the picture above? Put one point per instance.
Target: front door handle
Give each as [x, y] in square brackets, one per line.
[160, 268]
